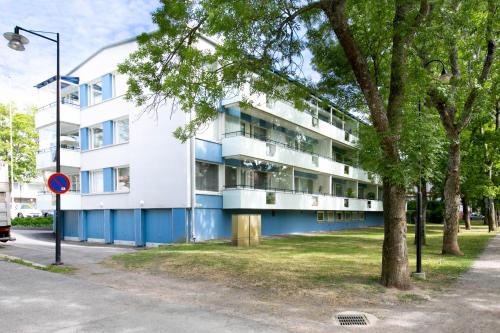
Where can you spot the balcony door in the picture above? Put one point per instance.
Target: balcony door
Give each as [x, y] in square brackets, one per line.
[260, 180]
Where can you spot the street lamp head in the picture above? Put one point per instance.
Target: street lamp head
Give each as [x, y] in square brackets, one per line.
[16, 41]
[444, 77]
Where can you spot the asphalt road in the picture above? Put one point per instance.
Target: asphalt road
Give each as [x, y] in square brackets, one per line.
[38, 246]
[101, 299]
[37, 301]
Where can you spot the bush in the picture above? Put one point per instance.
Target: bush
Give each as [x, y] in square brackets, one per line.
[32, 221]
[435, 211]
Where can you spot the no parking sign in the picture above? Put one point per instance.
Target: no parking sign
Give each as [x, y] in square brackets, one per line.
[58, 183]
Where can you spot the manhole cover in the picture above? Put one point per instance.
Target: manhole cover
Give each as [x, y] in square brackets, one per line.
[352, 318]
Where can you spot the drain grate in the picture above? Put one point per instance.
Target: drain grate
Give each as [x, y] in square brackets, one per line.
[352, 320]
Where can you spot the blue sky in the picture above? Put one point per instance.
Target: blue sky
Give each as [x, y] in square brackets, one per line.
[84, 25]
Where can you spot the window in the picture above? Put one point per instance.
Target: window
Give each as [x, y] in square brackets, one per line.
[120, 130]
[270, 198]
[207, 177]
[75, 182]
[95, 92]
[347, 216]
[96, 136]
[122, 179]
[330, 216]
[71, 98]
[339, 216]
[96, 181]
[346, 202]
[321, 216]
[315, 122]
[270, 149]
[315, 160]
[231, 176]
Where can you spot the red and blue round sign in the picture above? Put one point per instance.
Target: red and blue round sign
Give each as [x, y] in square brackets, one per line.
[58, 183]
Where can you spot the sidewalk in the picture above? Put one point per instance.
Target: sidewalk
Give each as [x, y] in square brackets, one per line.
[471, 305]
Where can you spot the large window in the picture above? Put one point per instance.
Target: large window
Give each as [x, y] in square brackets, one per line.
[95, 92]
[231, 176]
[96, 136]
[122, 179]
[207, 177]
[75, 182]
[71, 98]
[121, 130]
[96, 181]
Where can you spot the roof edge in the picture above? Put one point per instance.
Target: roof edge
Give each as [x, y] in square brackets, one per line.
[125, 41]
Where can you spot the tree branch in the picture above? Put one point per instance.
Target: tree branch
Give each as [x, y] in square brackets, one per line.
[334, 10]
[488, 62]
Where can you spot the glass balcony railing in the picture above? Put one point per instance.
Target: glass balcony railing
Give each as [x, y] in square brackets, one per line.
[283, 145]
[53, 105]
[287, 190]
[63, 146]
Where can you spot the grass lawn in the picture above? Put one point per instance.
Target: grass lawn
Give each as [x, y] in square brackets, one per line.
[342, 264]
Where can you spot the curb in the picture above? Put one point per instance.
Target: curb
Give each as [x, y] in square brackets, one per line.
[12, 259]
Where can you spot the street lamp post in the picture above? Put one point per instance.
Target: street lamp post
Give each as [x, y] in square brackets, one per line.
[419, 230]
[17, 42]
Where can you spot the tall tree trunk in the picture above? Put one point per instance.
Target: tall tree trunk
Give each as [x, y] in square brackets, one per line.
[452, 200]
[386, 121]
[395, 270]
[466, 214]
[490, 216]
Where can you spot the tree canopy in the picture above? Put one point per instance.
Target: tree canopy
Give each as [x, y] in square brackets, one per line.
[25, 142]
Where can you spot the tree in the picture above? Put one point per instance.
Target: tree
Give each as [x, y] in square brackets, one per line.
[25, 142]
[481, 158]
[261, 44]
[468, 42]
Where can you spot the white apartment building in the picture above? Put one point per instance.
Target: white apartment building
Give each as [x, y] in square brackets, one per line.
[134, 183]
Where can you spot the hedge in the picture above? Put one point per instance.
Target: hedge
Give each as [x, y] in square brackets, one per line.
[32, 221]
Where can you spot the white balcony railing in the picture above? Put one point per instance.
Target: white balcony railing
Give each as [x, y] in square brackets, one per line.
[46, 159]
[69, 201]
[244, 198]
[235, 144]
[70, 113]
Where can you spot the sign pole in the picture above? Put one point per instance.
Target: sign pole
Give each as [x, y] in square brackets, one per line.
[58, 159]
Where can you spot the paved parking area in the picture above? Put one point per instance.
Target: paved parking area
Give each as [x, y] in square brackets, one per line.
[38, 246]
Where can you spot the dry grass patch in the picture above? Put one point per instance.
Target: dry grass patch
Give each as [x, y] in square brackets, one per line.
[335, 267]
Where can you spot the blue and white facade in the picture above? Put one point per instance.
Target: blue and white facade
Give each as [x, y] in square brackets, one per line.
[134, 183]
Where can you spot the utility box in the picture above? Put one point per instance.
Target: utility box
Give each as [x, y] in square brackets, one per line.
[246, 230]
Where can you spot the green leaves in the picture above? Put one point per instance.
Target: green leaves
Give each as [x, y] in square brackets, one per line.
[25, 143]
[259, 47]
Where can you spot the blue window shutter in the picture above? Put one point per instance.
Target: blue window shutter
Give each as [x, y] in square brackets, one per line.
[107, 128]
[84, 95]
[108, 180]
[84, 138]
[107, 86]
[84, 181]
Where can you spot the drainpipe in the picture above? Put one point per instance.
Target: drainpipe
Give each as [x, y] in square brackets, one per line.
[192, 170]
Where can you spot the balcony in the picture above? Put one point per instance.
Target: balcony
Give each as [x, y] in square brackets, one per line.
[46, 158]
[46, 115]
[46, 201]
[236, 144]
[242, 197]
